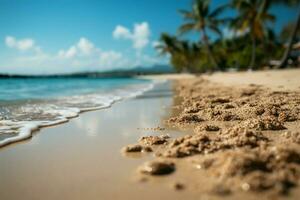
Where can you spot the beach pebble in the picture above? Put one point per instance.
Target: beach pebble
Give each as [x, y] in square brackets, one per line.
[228, 106]
[147, 149]
[136, 148]
[133, 148]
[157, 168]
[142, 179]
[158, 128]
[211, 128]
[154, 140]
[245, 186]
[220, 190]
[178, 186]
[220, 100]
[248, 92]
[205, 164]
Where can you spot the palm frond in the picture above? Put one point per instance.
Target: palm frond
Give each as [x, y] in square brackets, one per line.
[218, 11]
[186, 28]
[267, 17]
[287, 2]
[186, 14]
[236, 23]
[216, 30]
[225, 20]
[240, 4]
[204, 7]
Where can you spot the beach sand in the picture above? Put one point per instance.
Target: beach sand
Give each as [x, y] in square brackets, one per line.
[287, 79]
[83, 159]
[244, 139]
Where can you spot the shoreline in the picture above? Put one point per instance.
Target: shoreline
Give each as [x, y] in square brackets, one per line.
[165, 77]
[70, 160]
[26, 128]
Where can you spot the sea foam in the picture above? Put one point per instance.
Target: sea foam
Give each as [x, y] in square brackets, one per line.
[18, 121]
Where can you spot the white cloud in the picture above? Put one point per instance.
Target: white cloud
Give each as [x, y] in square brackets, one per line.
[70, 53]
[121, 32]
[139, 35]
[109, 58]
[83, 47]
[22, 44]
[112, 59]
[25, 44]
[10, 41]
[155, 44]
[83, 55]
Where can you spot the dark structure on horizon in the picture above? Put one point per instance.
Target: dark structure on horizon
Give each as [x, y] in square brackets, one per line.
[119, 73]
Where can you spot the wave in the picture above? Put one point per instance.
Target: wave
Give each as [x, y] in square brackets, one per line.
[19, 119]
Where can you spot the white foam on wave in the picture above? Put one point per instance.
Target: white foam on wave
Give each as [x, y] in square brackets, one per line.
[20, 130]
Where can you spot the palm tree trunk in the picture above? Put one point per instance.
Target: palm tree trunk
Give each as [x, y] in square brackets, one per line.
[285, 56]
[209, 51]
[253, 54]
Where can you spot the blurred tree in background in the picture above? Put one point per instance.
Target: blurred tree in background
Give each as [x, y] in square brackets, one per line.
[202, 19]
[251, 44]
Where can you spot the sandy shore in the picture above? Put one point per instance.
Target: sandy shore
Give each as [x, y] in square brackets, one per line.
[82, 159]
[168, 76]
[275, 79]
[243, 140]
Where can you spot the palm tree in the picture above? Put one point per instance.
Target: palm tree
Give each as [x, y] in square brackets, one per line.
[286, 54]
[179, 51]
[202, 19]
[253, 18]
[296, 28]
[167, 45]
[266, 4]
[183, 54]
[287, 30]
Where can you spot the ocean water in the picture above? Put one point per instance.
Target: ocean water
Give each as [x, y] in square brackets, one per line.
[30, 103]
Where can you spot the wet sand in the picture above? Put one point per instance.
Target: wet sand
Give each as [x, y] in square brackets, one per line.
[81, 159]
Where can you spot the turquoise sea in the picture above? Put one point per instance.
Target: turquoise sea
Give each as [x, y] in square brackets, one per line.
[27, 104]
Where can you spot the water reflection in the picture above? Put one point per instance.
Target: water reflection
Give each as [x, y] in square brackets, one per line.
[81, 159]
[128, 120]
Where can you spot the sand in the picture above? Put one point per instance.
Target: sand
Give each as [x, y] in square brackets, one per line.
[287, 79]
[245, 135]
[87, 158]
[81, 159]
[168, 76]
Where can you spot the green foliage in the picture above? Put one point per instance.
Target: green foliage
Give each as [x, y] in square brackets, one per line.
[202, 19]
[287, 30]
[255, 38]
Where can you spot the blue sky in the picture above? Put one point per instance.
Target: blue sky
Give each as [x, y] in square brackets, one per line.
[61, 36]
